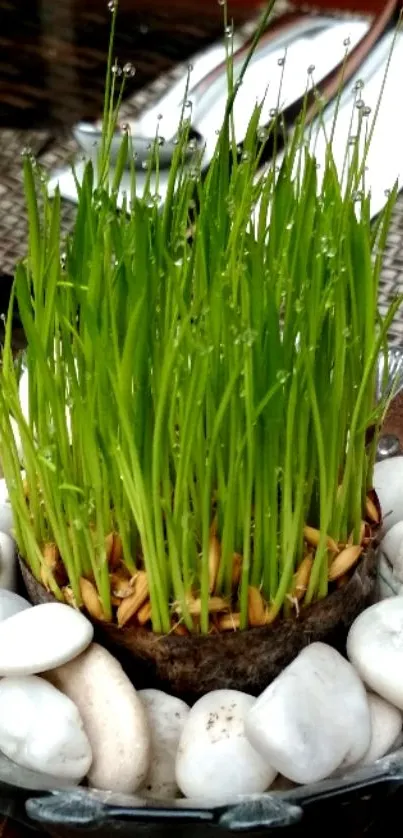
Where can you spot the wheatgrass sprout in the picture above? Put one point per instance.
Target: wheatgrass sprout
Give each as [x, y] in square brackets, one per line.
[200, 393]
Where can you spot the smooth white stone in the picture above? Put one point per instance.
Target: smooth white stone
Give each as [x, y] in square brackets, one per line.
[166, 717]
[42, 638]
[312, 718]
[390, 564]
[388, 484]
[11, 603]
[387, 583]
[113, 715]
[375, 648]
[8, 562]
[41, 729]
[386, 725]
[6, 515]
[392, 547]
[215, 760]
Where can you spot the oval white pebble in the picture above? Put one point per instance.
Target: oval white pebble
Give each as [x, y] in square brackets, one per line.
[41, 729]
[6, 515]
[11, 603]
[41, 638]
[375, 648]
[387, 583]
[215, 761]
[392, 547]
[166, 717]
[312, 718]
[386, 725]
[388, 484]
[390, 564]
[113, 715]
[8, 563]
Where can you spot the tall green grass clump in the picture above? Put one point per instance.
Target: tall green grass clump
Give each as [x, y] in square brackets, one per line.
[201, 381]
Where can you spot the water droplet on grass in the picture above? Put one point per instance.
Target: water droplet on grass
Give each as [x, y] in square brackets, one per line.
[281, 61]
[347, 42]
[311, 69]
[128, 70]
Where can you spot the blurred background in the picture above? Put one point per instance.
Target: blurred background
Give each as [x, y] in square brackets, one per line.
[52, 52]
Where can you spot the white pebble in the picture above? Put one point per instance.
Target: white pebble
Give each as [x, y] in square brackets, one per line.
[215, 761]
[166, 717]
[375, 648]
[41, 638]
[388, 484]
[312, 718]
[8, 563]
[41, 729]
[386, 725]
[390, 565]
[114, 718]
[11, 603]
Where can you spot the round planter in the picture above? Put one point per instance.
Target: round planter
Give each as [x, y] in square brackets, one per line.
[245, 660]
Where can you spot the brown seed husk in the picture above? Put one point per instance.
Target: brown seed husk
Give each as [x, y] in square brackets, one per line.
[371, 511]
[114, 550]
[344, 561]
[215, 605]
[91, 599]
[144, 613]
[229, 622]
[301, 578]
[131, 604]
[51, 555]
[256, 607]
[121, 584]
[69, 597]
[213, 561]
[312, 536]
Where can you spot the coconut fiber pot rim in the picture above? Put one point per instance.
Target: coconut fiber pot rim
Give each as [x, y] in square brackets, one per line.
[190, 666]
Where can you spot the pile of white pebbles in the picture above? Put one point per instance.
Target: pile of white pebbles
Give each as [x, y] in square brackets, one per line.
[68, 710]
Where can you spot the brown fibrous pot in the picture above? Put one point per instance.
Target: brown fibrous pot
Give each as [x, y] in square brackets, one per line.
[190, 666]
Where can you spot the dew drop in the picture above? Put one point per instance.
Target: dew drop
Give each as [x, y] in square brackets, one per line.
[358, 86]
[228, 31]
[221, 2]
[347, 42]
[116, 70]
[188, 104]
[112, 6]
[366, 110]
[311, 69]
[190, 68]
[281, 61]
[273, 112]
[360, 104]
[128, 70]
